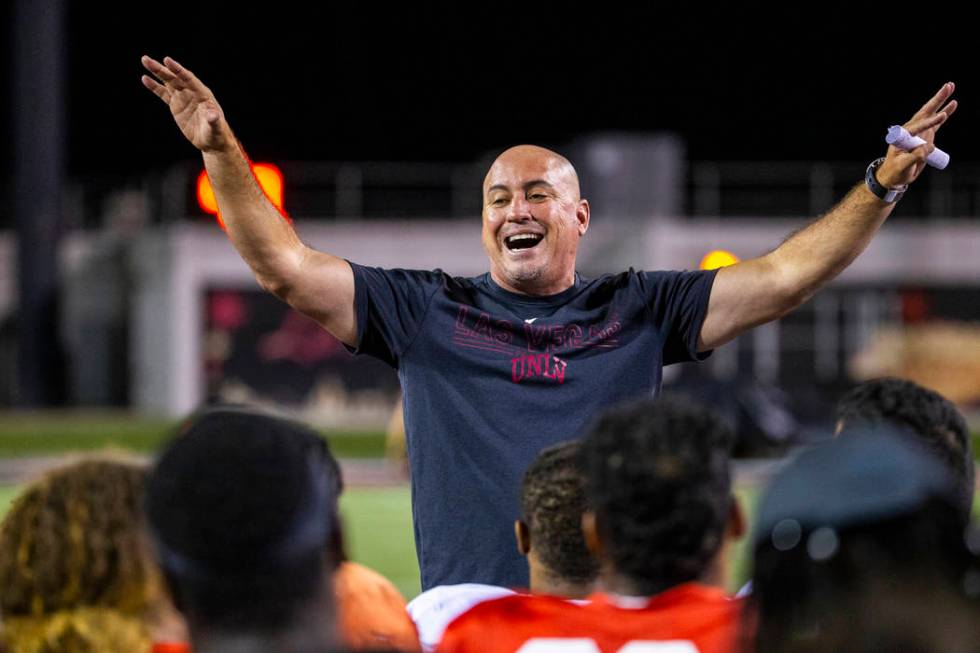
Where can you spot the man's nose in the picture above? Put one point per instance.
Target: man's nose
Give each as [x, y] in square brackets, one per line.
[519, 210]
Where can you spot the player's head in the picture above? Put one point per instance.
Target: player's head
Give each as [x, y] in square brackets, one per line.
[863, 523]
[657, 480]
[930, 418]
[241, 507]
[534, 192]
[74, 561]
[550, 530]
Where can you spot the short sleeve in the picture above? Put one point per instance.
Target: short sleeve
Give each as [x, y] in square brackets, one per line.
[677, 304]
[390, 306]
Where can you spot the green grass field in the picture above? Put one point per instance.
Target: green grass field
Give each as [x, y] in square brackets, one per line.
[7, 495]
[378, 529]
[35, 434]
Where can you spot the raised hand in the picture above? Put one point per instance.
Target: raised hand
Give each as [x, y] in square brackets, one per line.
[901, 167]
[193, 105]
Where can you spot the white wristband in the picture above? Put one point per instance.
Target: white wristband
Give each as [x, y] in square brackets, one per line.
[900, 138]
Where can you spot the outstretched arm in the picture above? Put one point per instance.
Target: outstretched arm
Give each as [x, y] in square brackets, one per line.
[762, 289]
[317, 284]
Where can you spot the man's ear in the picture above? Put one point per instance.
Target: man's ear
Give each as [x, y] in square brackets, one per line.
[582, 213]
[523, 536]
[591, 534]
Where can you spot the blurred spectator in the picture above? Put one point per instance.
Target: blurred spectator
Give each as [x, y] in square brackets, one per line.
[661, 520]
[76, 573]
[243, 511]
[860, 546]
[905, 407]
[396, 446]
[763, 416]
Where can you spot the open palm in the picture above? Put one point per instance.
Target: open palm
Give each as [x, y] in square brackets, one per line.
[194, 108]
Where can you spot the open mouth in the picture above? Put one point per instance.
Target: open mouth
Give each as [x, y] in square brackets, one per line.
[522, 241]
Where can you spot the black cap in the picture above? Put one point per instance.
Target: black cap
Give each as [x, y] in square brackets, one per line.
[240, 492]
[859, 479]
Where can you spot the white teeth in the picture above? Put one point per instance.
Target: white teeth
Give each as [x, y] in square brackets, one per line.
[511, 239]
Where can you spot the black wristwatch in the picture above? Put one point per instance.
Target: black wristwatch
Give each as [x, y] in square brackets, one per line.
[890, 195]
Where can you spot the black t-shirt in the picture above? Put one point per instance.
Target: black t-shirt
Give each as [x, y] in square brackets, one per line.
[491, 377]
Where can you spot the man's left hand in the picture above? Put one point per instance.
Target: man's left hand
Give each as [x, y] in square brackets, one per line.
[901, 167]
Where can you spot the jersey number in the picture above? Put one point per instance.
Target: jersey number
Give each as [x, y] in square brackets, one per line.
[584, 645]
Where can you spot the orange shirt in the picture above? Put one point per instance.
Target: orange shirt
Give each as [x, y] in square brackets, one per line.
[689, 618]
[370, 611]
[171, 647]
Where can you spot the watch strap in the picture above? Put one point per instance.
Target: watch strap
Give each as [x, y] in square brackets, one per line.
[890, 195]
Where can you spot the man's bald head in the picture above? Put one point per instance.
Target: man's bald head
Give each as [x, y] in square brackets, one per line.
[524, 155]
[533, 218]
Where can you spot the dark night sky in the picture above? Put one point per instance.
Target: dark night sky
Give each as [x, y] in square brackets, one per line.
[424, 83]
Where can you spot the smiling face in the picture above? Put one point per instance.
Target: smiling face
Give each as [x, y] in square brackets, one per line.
[533, 219]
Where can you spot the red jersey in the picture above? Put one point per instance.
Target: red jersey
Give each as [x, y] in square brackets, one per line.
[689, 618]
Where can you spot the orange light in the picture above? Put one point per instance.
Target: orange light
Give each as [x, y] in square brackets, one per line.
[267, 175]
[718, 258]
[270, 181]
[205, 194]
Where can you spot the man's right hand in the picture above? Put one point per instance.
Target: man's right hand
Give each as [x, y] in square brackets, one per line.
[316, 284]
[192, 104]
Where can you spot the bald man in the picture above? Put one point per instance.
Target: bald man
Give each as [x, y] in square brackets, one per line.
[496, 367]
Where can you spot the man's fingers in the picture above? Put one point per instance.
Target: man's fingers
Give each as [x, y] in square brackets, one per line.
[937, 100]
[158, 89]
[917, 126]
[150, 63]
[182, 73]
[950, 108]
[159, 70]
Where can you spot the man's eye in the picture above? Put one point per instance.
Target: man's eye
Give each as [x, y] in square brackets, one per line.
[500, 201]
[537, 196]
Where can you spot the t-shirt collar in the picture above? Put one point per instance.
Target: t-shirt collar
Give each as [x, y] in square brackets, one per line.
[538, 300]
[683, 592]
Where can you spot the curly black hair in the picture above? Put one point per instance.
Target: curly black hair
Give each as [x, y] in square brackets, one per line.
[919, 412]
[552, 503]
[657, 477]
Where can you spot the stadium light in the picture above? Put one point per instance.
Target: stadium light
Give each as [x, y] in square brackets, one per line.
[270, 181]
[718, 258]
